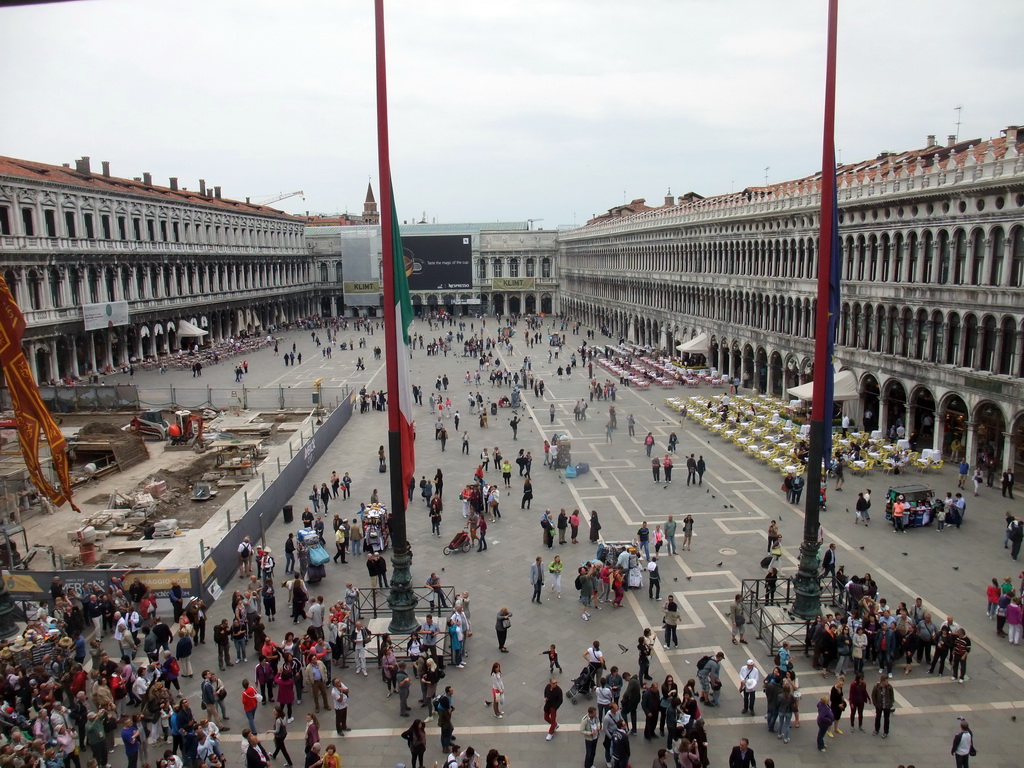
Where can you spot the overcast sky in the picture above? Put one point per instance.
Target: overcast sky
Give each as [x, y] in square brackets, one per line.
[552, 110]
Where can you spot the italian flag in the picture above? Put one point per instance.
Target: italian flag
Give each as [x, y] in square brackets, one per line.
[403, 321]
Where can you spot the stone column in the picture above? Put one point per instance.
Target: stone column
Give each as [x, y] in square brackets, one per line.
[55, 372]
[970, 439]
[997, 354]
[33, 364]
[74, 357]
[883, 414]
[1009, 451]
[108, 347]
[90, 338]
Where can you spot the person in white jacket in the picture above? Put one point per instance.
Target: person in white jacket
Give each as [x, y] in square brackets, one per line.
[750, 677]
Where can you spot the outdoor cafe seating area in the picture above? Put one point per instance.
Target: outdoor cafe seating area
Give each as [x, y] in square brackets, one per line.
[642, 367]
[770, 430]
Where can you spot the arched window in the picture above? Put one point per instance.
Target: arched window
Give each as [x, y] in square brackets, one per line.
[913, 257]
[498, 268]
[977, 256]
[897, 258]
[970, 341]
[481, 269]
[1009, 347]
[927, 258]
[959, 257]
[988, 344]
[35, 293]
[55, 292]
[995, 272]
[953, 340]
[531, 268]
[513, 267]
[1017, 259]
[944, 258]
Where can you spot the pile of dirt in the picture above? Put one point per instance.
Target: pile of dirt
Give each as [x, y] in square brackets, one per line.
[94, 428]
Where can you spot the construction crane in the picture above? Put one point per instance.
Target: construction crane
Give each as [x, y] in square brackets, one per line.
[283, 196]
[529, 222]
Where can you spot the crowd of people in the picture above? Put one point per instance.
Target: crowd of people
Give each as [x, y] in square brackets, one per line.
[125, 700]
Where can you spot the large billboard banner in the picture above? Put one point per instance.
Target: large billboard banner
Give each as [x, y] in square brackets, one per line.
[513, 283]
[98, 316]
[439, 262]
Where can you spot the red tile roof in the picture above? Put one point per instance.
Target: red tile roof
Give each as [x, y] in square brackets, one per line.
[891, 164]
[57, 174]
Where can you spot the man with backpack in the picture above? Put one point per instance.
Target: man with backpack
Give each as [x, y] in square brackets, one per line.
[244, 559]
[443, 706]
[709, 670]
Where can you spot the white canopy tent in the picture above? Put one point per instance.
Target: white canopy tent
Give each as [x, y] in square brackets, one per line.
[698, 345]
[845, 388]
[186, 329]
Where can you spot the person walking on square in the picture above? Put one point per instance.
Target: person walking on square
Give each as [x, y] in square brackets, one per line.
[687, 533]
[883, 698]
[656, 469]
[750, 678]
[691, 470]
[552, 701]
[537, 579]
[963, 746]
[497, 690]
[501, 627]
[742, 756]
[670, 534]
[702, 467]
[590, 727]
[1007, 483]
[963, 471]
[667, 464]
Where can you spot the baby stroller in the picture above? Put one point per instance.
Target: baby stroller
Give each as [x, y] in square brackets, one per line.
[461, 541]
[582, 685]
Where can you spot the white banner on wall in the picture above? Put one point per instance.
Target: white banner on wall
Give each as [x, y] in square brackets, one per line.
[98, 316]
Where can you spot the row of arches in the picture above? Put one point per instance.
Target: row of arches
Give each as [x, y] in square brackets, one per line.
[934, 416]
[76, 354]
[991, 255]
[38, 288]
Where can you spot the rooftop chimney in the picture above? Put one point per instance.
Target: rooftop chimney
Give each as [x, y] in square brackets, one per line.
[216, 192]
[82, 165]
[106, 168]
[669, 200]
[67, 165]
[174, 183]
[950, 140]
[1011, 134]
[247, 202]
[202, 187]
[931, 140]
[147, 178]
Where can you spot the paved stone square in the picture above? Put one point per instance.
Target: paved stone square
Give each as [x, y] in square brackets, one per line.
[740, 495]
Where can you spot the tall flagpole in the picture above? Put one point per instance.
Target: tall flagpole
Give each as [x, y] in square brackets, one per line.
[807, 584]
[401, 599]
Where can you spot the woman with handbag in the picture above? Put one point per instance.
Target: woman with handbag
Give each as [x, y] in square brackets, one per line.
[501, 627]
[497, 690]
[837, 702]
[417, 737]
[858, 698]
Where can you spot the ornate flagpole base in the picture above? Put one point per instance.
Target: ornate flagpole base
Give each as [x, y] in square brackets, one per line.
[402, 600]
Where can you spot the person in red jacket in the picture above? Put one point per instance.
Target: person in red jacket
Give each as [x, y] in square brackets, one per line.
[250, 701]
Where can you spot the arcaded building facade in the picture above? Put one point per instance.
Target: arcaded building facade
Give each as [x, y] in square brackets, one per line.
[152, 257]
[932, 321]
